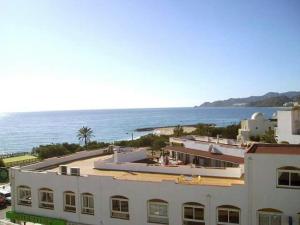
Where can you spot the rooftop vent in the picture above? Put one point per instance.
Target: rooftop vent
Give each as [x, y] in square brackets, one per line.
[63, 169]
[75, 171]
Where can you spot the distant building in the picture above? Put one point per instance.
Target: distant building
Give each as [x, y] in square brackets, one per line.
[290, 104]
[288, 129]
[212, 152]
[257, 125]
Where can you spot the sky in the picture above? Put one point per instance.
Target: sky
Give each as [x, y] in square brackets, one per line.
[94, 54]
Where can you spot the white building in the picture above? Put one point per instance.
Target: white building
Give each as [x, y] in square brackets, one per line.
[257, 125]
[288, 129]
[206, 151]
[267, 193]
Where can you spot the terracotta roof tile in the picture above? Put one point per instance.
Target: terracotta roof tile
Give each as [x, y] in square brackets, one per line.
[274, 149]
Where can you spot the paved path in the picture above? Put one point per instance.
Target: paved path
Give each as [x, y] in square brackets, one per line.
[3, 211]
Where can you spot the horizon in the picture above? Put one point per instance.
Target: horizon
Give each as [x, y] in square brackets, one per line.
[66, 55]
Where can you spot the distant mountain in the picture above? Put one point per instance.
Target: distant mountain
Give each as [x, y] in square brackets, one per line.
[271, 99]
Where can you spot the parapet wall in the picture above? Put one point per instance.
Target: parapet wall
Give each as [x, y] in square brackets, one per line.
[61, 160]
[181, 170]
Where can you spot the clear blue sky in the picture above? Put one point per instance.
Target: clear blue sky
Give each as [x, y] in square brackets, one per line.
[71, 54]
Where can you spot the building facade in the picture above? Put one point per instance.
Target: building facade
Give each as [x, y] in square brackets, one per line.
[267, 193]
[288, 129]
[256, 126]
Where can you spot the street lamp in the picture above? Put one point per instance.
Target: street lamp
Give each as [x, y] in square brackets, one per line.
[131, 135]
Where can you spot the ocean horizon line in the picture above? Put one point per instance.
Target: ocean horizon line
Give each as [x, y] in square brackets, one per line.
[146, 108]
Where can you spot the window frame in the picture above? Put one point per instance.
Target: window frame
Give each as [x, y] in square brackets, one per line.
[289, 171]
[46, 204]
[125, 214]
[228, 209]
[87, 209]
[24, 201]
[69, 207]
[269, 214]
[160, 203]
[193, 205]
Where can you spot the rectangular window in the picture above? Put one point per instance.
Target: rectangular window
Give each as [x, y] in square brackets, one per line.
[288, 178]
[119, 208]
[227, 216]
[24, 196]
[69, 202]
[193, 215]
[87, 204]
[158, 212]
[46, 199]
[269, 219]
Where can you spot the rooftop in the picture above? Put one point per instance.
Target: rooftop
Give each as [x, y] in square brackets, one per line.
[86, 168]
[207, 154]
[286, 149]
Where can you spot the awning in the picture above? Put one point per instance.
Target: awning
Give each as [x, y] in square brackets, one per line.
[34, 219]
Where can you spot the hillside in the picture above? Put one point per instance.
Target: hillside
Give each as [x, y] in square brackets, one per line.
[271, 99]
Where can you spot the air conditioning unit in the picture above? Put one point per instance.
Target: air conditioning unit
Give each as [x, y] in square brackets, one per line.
[75, 171]
[63, 170]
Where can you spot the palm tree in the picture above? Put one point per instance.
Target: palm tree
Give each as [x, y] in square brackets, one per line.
[85, 134]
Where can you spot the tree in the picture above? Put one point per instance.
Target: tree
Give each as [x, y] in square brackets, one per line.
[178, 131]
[2, 164]
[158, 144]
[85, 134]
[268, 137]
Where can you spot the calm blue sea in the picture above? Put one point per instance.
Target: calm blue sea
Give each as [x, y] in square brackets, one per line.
[22, 131]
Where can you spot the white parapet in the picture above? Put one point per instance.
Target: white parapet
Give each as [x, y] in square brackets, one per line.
[186, 170]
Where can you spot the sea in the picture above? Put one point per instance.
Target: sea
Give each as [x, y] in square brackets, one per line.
[21, 132]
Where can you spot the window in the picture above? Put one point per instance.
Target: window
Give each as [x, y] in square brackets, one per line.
[24, 195]
[288, 177]
[119, 207]
[87, 201]
[46, 198]
[193, 214]
[158, 211]
[269, 217]
[228, 215]
[69, 201]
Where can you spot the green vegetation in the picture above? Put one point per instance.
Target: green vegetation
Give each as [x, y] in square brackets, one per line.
[149, 140]
[18, 160]
[85, 134]
[268, 137]
[255, 138]
[230, 131]
[54, 150]
[2, 164]
[178, 131]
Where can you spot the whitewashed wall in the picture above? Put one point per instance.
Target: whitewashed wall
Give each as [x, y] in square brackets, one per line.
[61, 160]
[138, 193]
[142, 167]
[261, 174]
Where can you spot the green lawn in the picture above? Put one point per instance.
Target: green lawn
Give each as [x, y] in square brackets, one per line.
[18, 158]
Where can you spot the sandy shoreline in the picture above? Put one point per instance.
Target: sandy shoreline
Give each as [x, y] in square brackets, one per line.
[170, 130]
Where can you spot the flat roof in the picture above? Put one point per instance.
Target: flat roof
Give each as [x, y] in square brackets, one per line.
[87, 168]
[207, 154]
[286, 149]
